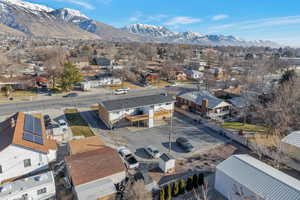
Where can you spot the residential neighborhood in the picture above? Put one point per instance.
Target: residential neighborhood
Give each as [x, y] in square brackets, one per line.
[89, 111]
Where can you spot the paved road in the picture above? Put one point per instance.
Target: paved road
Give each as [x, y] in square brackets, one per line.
[80, 101]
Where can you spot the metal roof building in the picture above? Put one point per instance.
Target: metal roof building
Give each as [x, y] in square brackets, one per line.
[293, 139]
[242, 176]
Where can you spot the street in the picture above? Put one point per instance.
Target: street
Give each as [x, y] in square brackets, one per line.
[80, 101]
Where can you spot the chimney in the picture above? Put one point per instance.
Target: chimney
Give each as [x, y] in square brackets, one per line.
[12, 122]
[204, 105]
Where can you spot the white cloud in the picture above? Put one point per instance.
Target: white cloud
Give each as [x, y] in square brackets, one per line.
[84, 3]
[259, 23]
[140, 17]
[219, 17]
[182, 20]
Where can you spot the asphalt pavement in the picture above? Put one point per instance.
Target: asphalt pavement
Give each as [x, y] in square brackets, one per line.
[80, 101]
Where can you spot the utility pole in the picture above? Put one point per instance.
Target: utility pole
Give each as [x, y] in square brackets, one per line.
[170, 135]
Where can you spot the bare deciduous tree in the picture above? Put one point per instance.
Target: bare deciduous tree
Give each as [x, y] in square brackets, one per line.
[137, 191]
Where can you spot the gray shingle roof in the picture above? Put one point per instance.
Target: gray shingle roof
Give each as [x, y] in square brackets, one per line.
[261, 178]
[198, 96]
[134, 102]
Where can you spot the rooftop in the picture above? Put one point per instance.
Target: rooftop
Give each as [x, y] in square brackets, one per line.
[261, 178]
[135, 102]
[198, 96]
[93, 165]
[85, 144]
[25, 184]
[292, 139]
[27, 131]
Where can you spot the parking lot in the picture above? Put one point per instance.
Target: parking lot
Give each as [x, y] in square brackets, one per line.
[159, 138]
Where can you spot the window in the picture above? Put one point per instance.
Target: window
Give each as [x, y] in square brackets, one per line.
[42, 191]
[1, 169]
[27, 163]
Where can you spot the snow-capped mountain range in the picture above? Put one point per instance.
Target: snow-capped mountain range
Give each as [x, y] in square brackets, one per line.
[165, 35]
[41, 21]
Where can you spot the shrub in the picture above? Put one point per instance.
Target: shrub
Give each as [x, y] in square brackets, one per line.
[200, 179]
[195, 181]
[181, 187]
[162, 194]
[175, 189]
[189, 184]
[168, 192]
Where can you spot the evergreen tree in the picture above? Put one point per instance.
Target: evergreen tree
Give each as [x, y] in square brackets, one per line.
[189, 184]
[162, 194]
[195, 181]
[168, 192]
[175, 189]
[200, 179]
[71, 76]
[181, 187]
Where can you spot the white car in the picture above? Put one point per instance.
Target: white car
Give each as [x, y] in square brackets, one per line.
[63, 124]
[152, 151]
[120, 91]
[128, 157]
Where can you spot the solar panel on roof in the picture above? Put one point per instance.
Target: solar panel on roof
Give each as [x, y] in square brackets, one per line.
[38, 140]
[28, 137]
[32, 129]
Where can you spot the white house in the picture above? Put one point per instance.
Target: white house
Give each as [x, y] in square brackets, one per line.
[144, 110]
[243, 177]
[94, 173]
[291, 145]
[193, 74]
[100, 82]
[166, 163]
[24, 147]
[38, 187]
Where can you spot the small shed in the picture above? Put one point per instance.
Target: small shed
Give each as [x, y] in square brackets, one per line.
[166, 163]
[291, 145]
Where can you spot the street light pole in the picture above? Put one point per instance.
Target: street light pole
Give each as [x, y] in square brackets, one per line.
[170, 134]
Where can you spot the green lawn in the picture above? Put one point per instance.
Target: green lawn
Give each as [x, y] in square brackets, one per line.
[244, 127]
[77, 124]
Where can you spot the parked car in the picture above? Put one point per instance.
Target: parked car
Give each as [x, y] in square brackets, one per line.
[71, 95]
[63, 124]
[152, 151]
[184, 144]
[120, 91]
[128, 157]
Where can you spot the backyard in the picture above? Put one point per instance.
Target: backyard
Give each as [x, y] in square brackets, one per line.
[77, 124]
[245, 127]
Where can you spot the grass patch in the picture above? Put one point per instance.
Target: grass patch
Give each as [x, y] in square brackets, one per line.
[265, 140]
[77, 124]
[20, 93]
[245, 127]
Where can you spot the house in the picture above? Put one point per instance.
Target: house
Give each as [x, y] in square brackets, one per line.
[85, 144]
[166, 163]
[80, 62]
[204, 103]
[291, 145]
[144, 110]
[100, 81]
[243, 177]
[150, 77]
[24, 146]
[94, 174]
[192, 74]
[41, 187]
[180, 76]
[102, 61]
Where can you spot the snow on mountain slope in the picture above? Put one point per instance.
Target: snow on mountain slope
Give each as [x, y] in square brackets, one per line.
[69, 15]
[27, 5]
[165, 35]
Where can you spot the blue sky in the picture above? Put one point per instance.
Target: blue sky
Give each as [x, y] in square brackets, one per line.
[252, 20]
